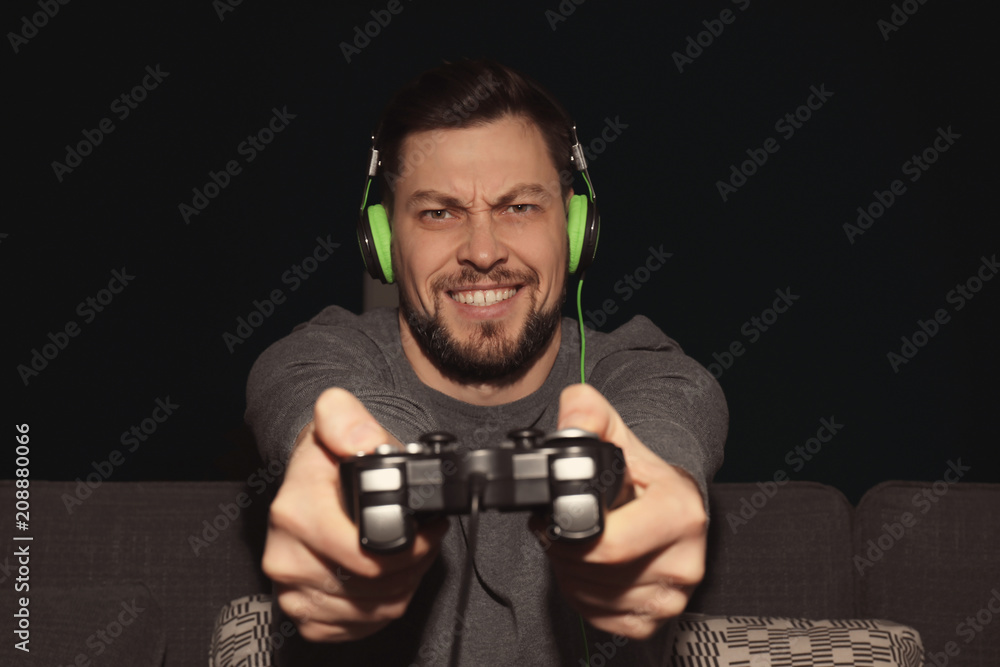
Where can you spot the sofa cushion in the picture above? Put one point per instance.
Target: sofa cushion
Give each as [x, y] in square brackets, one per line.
[156, 533]
[118, 625]
[744, 641]
[928, 555]
[778, 551]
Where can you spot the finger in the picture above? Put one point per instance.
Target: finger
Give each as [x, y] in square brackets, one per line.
[636, 624]
[345, 427]
[294, 564]
[581, 406]
[309, 535]
[682, 565]
[670, 509]
[661, 599]
[337, 619]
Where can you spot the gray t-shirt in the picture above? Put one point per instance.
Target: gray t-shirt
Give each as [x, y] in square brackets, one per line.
[515, 613]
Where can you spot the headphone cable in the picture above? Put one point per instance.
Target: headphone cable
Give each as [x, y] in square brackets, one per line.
[583, 380]
[477, 485]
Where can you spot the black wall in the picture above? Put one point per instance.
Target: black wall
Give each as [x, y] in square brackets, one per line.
[887, 94]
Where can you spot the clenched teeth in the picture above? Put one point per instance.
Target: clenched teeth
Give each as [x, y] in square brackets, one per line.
[483, 297]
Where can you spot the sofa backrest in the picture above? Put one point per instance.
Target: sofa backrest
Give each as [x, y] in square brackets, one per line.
[778, 551]
[928, 555]
[147, 532]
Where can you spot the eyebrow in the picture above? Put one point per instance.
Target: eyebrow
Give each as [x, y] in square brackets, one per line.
[436, 197]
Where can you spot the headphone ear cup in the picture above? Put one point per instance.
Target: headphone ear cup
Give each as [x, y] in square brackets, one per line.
[582, 227]
[576, 225]
[381, 234]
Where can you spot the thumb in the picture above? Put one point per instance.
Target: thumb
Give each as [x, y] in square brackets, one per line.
[581, 406]
[345, 427]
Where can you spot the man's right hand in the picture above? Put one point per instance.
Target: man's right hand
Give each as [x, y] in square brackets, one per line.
[325, 582]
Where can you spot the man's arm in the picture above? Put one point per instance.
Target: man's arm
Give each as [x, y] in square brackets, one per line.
[330, 587]
[324, 581]
[672, 427]
[672, 404]
[331, 350]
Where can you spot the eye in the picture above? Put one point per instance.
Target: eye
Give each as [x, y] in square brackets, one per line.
[521, 209]
[437, 214]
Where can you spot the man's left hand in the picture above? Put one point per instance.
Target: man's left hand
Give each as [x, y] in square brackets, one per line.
[651, 556]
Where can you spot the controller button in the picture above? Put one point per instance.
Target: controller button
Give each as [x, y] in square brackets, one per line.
[416, 448]
[385, 450]
[577, 467]
[384, 479]
[383, 524]
[571, 433]
[525, 438]
[437, 440]
[576, 514]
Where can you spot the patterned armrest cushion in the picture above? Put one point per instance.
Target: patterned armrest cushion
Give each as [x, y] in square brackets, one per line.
[748, 641]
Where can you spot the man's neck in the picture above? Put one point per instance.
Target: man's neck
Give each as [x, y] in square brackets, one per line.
[479, 394]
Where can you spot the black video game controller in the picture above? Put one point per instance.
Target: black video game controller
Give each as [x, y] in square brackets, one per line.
[570, 473]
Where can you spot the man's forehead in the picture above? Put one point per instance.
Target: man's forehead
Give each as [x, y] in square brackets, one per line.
[518, 192]
[507, 156]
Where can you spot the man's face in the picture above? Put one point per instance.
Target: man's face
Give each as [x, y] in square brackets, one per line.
[479, 247]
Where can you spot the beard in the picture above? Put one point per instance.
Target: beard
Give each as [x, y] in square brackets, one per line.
[491, 355]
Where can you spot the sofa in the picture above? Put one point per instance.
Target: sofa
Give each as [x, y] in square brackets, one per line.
[142, 569]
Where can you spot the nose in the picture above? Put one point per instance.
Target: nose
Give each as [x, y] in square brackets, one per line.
[482, 248]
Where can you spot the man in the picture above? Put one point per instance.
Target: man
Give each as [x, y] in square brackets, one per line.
[473, 158]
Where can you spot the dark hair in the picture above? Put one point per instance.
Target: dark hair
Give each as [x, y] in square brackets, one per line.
[469, 93]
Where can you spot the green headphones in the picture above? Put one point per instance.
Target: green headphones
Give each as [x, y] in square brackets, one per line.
[583, 222]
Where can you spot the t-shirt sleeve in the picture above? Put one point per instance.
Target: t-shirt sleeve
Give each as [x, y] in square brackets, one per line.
[330, 350]
[671, 403]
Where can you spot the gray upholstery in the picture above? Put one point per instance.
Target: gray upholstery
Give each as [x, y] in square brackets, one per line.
[793, 558]
[941, 571]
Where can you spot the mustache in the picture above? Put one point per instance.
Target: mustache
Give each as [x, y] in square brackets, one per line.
[468, 276]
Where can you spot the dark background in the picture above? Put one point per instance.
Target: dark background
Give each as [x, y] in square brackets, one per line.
[162, 336]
